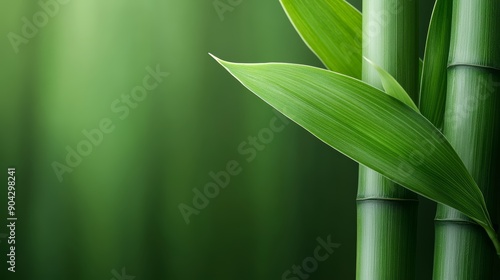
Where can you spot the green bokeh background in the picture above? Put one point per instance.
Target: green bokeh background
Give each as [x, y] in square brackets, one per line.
[119, 207]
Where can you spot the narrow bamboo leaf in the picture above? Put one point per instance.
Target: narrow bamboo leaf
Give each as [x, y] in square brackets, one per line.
[420, 68]
[332, 29]
[433, 84]
[370, 127]
[392, 87]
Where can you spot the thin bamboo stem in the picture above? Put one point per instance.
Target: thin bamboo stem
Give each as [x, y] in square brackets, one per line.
[463, 250]
[386, 212]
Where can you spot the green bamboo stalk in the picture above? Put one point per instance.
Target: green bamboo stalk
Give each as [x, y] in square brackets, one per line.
[386, 212]
[462, 249]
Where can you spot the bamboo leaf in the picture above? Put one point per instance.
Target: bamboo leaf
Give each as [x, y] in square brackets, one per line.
[370, 127]
[332, 29]
[420, 68]
[434, 72]
[392, 87]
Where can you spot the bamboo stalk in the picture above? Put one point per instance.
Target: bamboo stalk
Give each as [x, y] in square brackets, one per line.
[462, 249]
[386, 212]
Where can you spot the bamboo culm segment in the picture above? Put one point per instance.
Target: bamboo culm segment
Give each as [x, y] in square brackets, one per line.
[471, 124]
[460, 250]
[386, 212]
[379, 239]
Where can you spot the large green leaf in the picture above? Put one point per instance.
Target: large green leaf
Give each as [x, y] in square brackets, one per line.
[370, 127]
[434, 72]
[332, 29]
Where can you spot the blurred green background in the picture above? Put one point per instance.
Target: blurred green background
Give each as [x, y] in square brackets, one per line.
[118, 208]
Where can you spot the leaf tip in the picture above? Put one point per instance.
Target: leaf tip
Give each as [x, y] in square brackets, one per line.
[214, 57]
[222, 62]
[370, 62]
